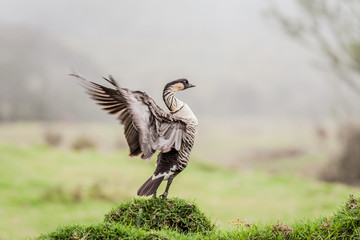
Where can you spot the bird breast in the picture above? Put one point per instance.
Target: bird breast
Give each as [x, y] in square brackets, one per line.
[186, 113]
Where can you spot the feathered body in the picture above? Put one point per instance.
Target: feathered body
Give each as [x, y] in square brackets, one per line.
[149, 128]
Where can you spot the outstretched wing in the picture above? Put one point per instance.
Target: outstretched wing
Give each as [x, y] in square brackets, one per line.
[147, 127]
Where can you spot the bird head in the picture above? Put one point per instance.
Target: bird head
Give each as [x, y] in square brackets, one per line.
[178, 85]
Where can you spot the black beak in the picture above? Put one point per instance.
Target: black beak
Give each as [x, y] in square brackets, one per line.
[190, 85]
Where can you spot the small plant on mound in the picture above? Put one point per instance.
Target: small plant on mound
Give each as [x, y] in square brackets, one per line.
[157, 213]
[345, 223]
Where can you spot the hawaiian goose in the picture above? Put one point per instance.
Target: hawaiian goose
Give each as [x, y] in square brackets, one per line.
[149, 128]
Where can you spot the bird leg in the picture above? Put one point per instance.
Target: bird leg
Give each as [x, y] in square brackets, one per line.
[164, 195]
[166, 192]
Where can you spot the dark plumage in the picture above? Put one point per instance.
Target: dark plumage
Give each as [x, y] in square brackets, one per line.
[148, 128]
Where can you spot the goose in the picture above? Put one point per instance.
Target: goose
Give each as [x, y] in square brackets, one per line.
[148, 128]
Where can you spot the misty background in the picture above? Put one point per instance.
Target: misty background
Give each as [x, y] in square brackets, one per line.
[277, 98]
[241, 62]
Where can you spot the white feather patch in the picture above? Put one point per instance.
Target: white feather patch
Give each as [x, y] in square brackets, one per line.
[166, 175]
[159, 175]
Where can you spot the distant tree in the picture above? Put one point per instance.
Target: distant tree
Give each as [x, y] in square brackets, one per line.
[328, 27]
[332, 28]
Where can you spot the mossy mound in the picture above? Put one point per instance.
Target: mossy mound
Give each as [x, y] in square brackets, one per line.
[165, 219]
[104, 231]
[157, 213]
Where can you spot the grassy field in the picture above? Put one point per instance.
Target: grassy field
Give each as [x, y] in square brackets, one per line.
[43, 187]
[174, 218]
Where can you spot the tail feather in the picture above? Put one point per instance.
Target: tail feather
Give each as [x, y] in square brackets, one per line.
[150, 186]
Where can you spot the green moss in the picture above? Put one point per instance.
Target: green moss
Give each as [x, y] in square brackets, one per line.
[100, 231]
[157, 213]
[150, 218]
[158, 218]
[344, 224]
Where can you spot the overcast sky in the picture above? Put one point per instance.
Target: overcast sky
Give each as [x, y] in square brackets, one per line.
[227, 32]
[147, 43]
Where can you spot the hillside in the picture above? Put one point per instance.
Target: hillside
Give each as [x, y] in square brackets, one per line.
[156, 218]
[61, 187]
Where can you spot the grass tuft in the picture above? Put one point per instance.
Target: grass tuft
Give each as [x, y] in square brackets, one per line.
[82, 143]
[157, 213]
[344, 224]
[160, 218]
[101, 231]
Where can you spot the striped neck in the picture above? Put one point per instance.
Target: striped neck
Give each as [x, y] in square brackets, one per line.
[171, 101]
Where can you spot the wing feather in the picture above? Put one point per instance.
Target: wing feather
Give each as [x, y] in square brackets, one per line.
[147, 127]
